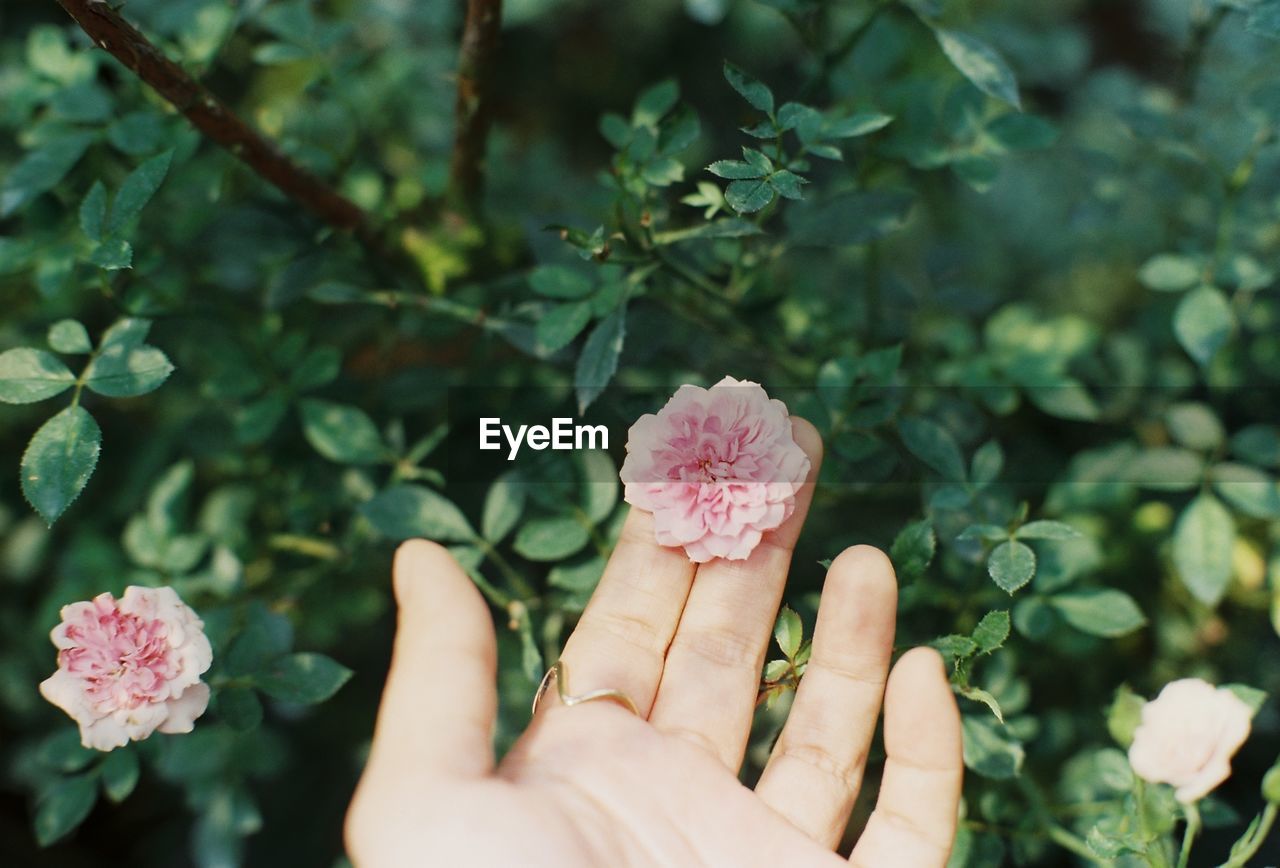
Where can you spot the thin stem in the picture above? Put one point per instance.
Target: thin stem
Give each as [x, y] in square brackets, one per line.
[473, 110]
[1189, 835]
[1241, 859]
[509, 572]
[215, 119]
[1074, 843]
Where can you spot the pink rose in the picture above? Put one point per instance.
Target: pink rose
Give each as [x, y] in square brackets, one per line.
[717, 468]
[131, 666]
[1187, 737]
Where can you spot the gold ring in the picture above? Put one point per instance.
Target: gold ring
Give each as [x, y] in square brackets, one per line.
[560, 673]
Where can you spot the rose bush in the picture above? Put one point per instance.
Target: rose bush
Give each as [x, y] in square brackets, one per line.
[1016, 262]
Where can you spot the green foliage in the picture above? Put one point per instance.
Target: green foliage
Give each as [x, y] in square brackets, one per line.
[1023, 286]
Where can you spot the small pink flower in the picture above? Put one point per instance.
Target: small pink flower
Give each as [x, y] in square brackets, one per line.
[1187, 737]
[131, 666]
[717, 468]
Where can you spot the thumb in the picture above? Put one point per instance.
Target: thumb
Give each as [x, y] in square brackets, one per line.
[439, 703]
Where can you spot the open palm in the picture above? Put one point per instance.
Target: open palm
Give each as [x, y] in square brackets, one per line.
[596, 785]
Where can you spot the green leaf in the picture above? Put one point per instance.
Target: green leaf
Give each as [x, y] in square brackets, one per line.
[977, 694]
[980, 63]
[63, 807]
[113, 254]
[933, 445]
[1251, 491]
[319, 367]
[1202, 546]
[63, 752]
[849, 218]
[1124, 715]
[1169, 272]
[1258, 444]
[789, 632]
[120, 773]
[69, 336]
[736, 170]
[1203, 323]
[1271, 784]
[304, 679]
[93, 211]
[560, 325]
[1052, 530]
[551, 539]
[240, 708]
[1249, 695]
[127, 332]
[1011, 565]
[341, 432]
[59, 461]
[992, 631]
[747, 197]
[753, 91]
[655, 102]
[1023, 132]
[913, 549]
[558, 281]
[122, 371]
[955, 647]
[28, 375]
[858, 124]
[989, 751]
[408, 511]
[599, 485]
[787, 184]
[41, 170]
[136, 191]
[1103, 612]
[987, 463]
[1195, 426]
[503, 506]
[599, 359]
[990, 532]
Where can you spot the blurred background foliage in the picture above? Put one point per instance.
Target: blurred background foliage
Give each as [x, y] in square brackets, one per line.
[1016, 260]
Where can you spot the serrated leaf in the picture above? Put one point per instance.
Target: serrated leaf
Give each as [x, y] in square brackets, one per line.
[747, 197]
[1202, 548]
[341, 432]
[305, 679]
[933, 445]
[28, 375]
[59, 461]
[407, 511]
[992, 631]
[122, 371]
[1011, 565]
[735, 170]
[789, 632]
[753, 91]
[599, 359]
[557, 328]
[113, 254]
[136, 191]
[69, 336]
[913, 549]
[981, 64]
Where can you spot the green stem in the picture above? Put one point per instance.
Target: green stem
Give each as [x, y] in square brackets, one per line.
[510, 573]
[1241, 859]
[1074, 843]
[1189, 835]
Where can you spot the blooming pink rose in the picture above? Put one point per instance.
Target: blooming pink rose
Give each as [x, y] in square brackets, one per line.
[1187, 737]
[717, 468]
[131, 666]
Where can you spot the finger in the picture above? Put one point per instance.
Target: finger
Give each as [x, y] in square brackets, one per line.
[914, 821]
[816, 767]
[622, 637]
[439, 703]
[712, 674]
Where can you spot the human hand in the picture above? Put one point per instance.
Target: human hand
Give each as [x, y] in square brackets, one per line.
[594, 784]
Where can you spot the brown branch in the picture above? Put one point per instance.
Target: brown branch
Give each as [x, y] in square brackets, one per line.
[473, 110]
[212, 117]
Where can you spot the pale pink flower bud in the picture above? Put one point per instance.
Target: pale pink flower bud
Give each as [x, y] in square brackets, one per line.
[1187, 737]
[131, 666]
[717, 467]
